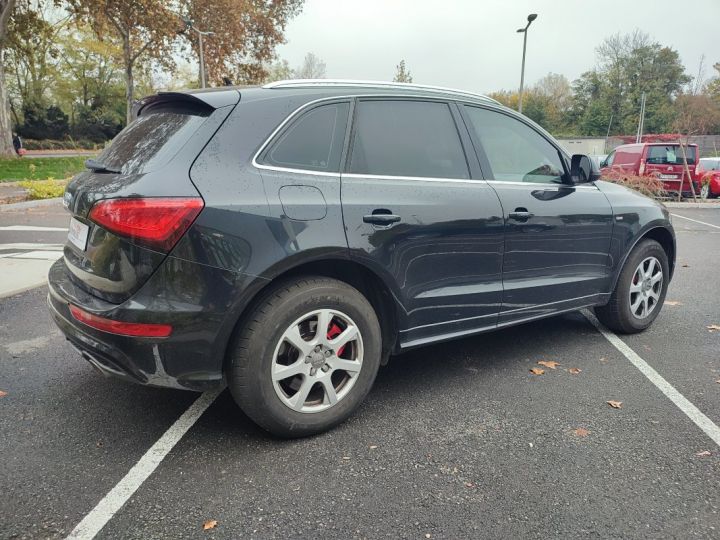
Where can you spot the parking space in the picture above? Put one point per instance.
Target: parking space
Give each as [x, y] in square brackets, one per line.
[455, 440]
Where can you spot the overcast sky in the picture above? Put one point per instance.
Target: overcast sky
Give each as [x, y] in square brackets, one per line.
[473, 45]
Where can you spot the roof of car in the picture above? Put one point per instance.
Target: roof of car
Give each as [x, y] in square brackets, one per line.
[330, 87]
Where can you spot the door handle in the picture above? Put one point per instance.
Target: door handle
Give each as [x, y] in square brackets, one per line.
[381, 217]
[520, 214]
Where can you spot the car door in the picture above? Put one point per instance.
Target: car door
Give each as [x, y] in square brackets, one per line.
[557, 235]
[417, 213]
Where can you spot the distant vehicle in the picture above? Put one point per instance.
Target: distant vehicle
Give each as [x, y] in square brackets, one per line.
[708, 172]
[599, 159]
[286, 240]
[664, 160]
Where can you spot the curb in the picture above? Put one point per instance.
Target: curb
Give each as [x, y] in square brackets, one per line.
[706, 206]
[29, 204]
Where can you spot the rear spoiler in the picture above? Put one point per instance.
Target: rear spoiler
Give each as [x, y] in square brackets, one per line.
[204, 99]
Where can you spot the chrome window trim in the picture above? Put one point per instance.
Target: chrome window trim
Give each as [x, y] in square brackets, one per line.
[542, 184]
[357, 176]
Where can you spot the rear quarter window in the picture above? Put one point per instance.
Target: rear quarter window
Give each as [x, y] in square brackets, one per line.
[312, 142]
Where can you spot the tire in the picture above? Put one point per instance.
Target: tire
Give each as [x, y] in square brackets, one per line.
[618, 314]
[266, 347]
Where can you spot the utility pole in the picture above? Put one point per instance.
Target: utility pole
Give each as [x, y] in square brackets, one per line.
[189, 25]
[524, 31]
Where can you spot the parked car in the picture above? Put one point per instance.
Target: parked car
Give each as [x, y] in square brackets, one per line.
[664, 160]
[286, 240]
[708, 172]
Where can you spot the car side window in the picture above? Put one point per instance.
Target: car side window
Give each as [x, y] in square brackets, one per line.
[609, 160]
[407, 138]
[313, 142]
[516, 152]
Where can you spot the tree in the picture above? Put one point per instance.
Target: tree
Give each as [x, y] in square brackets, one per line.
[313, 68]
[278, 71]
[628, 66]
[402, 75]
[144, 29]
[6, 147]
[244, 37]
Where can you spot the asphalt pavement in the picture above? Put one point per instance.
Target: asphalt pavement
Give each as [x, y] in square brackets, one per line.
[457, 440]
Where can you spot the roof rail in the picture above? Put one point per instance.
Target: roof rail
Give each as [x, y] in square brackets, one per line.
[307, 83]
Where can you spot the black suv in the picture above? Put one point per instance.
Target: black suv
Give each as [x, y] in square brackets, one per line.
[286, 240]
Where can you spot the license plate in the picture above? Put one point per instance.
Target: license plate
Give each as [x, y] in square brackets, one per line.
[669, 177]
[78, 234]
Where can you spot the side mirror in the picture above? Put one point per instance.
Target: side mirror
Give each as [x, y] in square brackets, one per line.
[583, 169]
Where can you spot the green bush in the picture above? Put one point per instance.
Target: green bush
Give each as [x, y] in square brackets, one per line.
[44, 189]
[67, 144]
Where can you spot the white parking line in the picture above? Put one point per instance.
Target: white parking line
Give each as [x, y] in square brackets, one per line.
[98, 517]
[32, 228]
[696, 221]
[691, 411]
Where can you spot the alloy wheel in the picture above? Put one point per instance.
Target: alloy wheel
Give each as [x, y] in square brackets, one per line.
[646, 287]
[317, 361]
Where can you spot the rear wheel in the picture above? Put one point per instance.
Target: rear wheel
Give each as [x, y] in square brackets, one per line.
[306, 358]
[640, 290]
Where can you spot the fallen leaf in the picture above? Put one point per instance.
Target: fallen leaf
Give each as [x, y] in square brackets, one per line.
[574, 370]
[3, 394]
[712, 327]
[428, 535]
[469, 484]
[552, 364]
[686, 265]
[672, 303]
[373, 447]
[346, 457]
[615, 404]
[581, 432]
[537, 371]
[704, 453]
[210, 524]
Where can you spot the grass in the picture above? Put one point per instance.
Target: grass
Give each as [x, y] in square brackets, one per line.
[12, 170]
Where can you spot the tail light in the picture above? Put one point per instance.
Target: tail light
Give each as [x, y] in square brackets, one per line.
[119, 327]
[155, 222]
[642, 167]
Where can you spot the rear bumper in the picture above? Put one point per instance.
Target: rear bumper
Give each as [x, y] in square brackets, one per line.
[195, 299]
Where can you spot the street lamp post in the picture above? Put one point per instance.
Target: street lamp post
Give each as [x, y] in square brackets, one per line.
[524, 31]
[200, 33]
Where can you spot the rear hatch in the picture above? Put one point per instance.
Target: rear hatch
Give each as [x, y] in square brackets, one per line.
[136, 199]
[666, 162]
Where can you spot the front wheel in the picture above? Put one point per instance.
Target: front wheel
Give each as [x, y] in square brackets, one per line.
[306, 357]
[640, 290]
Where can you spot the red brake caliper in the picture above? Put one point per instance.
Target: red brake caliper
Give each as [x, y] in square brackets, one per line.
[333, 332]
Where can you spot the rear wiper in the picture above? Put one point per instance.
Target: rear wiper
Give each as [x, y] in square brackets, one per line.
[99, 166]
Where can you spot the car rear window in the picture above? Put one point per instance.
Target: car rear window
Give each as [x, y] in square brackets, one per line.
[670, 154]
[153, 138]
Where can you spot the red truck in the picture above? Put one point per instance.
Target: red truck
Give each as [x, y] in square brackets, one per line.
[664, 160]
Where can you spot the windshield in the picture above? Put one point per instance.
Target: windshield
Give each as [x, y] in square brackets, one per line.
[670, 154]
[710, 164]
[151, 140]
